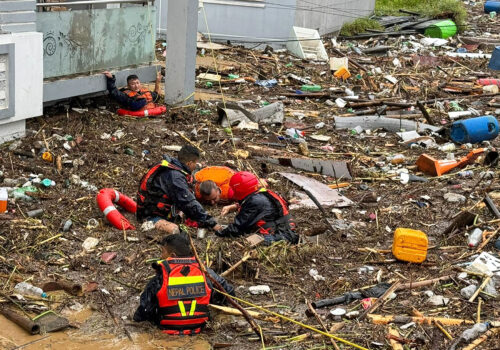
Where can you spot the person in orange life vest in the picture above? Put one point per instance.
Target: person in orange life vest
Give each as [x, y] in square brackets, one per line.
[260, 211]
[212, 184]
[177, 298]
[165, 190]
[133, 97]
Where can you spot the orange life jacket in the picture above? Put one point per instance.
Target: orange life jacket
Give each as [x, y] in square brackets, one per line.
[155, 203]
[183, 297]
[142, 93]
[221, 175]
[285, 220]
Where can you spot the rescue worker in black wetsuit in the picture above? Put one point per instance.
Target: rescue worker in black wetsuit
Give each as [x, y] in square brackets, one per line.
[260, 211]
[177, 298]
[166, 190]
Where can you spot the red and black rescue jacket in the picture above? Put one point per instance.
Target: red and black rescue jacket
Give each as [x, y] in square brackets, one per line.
[183, 297]
[264, 212]
[283, 221]
[152, 201]
[142, 93]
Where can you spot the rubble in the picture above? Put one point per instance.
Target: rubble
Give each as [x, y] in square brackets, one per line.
[352, 141]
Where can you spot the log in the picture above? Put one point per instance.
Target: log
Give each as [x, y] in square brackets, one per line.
[380, 319]
[68, 287]
[311, 309]
[419, 284]
[23, 322]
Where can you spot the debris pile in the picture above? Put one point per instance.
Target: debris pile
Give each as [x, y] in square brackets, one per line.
[386, 152]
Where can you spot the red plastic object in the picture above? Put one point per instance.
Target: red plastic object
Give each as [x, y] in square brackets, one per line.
[144, 113]
[105, 199]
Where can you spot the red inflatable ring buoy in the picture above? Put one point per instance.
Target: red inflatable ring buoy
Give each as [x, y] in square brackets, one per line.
[144, 113]
[105, 199]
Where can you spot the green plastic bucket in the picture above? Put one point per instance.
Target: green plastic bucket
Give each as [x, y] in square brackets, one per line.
[443, 29]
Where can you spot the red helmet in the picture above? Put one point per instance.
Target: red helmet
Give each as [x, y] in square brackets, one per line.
[243, 184]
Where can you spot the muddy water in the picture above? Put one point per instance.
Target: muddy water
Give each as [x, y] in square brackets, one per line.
[76, 339]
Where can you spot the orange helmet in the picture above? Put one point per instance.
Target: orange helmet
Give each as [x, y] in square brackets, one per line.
[243, 184]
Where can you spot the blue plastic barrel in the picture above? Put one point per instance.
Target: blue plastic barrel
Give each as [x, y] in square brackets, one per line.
[495, 59]
[490, 6]
[474, 130]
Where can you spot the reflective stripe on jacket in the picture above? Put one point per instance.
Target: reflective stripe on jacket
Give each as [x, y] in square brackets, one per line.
[183, 297]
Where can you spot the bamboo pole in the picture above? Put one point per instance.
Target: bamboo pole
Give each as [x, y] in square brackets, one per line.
[481, 287]
[379, 319]
[295, 322]
[235, 266]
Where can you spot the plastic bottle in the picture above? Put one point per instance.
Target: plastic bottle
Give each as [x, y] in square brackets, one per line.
[3, 199]
[29, 289]
[294, 133]
[310, 88]
[449, 147]
[475, 237]
[466, 173]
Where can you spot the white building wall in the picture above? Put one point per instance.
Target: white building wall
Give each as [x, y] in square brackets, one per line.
[328, 16]
[28, 82]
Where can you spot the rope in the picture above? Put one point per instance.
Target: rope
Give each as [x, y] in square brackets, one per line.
[212, 52]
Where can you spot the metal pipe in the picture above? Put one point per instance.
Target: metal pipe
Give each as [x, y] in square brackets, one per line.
[23, 322]
[91, 2]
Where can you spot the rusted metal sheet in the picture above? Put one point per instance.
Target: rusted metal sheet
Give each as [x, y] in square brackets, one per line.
[324, 194]
[337, 169]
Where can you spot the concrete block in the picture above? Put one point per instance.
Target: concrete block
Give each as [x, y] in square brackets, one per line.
[13, 130]
[18, 27]
[20, 5]
[17, 17]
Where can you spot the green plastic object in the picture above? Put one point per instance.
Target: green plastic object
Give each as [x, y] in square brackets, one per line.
[47, 182]
[233, 76]
[310, 88]
[443, 29]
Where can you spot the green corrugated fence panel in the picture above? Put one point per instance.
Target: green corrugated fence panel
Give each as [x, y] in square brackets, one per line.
[93, 40]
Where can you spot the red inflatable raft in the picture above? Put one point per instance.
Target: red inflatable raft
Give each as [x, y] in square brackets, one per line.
[105, 199]
[144, 113]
